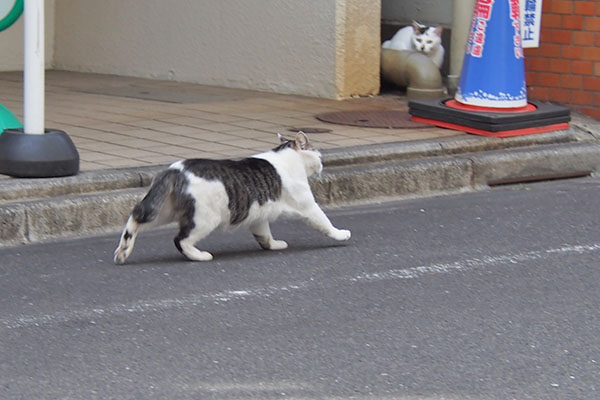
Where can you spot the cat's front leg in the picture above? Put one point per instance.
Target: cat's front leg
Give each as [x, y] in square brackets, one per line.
[262, 234]
[316, 218]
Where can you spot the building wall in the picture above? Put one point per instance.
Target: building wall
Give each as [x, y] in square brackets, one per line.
[322, 48]
[566, 66]
[284, 46]
[358, 47]
[11, 41]
[435, 12]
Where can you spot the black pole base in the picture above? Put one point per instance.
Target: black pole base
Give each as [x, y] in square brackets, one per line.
[50, 155]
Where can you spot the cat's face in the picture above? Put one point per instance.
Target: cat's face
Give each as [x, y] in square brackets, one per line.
[426, 38]
[312, 162]
[311, 157]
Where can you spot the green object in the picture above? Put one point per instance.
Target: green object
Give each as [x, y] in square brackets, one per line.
[8, 120]
[10, 11]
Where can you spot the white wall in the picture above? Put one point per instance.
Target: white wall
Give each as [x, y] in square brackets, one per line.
[285, 46]
[11, 42]
[322, 48]
[426, 11]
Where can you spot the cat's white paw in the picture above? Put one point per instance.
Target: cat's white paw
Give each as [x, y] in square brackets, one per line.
[341, 234]
[121, 254]
[120, 257]
[200, 256]
[278, 245]
[194, 254]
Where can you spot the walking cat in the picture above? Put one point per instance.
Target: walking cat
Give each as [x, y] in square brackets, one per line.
[202, 195]
[419, 37]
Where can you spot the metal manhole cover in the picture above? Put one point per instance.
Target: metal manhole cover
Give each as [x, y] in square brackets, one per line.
[309, 130]
[372, 119]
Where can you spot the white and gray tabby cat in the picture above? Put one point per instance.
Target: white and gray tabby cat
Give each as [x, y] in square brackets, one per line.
[202, 195]
[419, 37]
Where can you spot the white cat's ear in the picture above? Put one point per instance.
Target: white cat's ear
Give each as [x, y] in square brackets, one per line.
[302, 142]
[439, 30]
[418, 27]
[281, 138]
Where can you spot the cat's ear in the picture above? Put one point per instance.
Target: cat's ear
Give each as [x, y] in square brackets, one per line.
[438, 30]
[302, 142]
[282, 138]
[416, 26]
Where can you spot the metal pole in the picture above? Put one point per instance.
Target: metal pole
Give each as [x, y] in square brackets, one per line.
[461, 22]
[34, 73]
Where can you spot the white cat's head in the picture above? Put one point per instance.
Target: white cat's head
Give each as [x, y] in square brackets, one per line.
[311, 157]
[426, 38]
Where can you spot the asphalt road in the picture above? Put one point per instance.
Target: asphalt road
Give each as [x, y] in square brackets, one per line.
[491, 295]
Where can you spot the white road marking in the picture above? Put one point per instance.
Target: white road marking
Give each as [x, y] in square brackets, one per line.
[473, 263]
[90, 314]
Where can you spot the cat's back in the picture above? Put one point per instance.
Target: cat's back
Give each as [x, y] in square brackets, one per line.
[225, 169]
[401, 40]
[245, 182]
[254, 175]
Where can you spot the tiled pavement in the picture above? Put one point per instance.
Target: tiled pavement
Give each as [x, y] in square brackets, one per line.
[118, 122]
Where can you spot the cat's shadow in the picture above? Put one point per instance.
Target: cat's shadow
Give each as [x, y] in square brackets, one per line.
[233, 255]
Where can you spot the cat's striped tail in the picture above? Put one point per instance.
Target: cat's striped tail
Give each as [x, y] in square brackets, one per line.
[147, 210]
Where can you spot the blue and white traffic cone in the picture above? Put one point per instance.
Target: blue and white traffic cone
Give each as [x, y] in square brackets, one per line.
[491, 99]
[493, 73]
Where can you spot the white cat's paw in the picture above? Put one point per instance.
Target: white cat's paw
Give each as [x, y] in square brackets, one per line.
[341, 234]
[194, 254]
[200, 256]
[120, 257]
[278, 245]
[121, 254]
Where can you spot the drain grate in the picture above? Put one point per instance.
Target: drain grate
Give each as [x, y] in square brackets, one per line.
[307, 129]
[372, 119]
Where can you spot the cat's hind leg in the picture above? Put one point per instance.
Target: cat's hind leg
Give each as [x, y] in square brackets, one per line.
[262, 234]
[137, 222]
[189, 234]
[127, 241]
[154, 209]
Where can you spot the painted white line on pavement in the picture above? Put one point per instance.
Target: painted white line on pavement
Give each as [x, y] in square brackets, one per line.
[473, 263]
[91, 314]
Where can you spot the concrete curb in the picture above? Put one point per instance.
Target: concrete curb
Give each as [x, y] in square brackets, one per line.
[535, 164]
[64, 217]
[444, 147]
[366, 182]
[99, 202]
[444, 175]
[19, 190]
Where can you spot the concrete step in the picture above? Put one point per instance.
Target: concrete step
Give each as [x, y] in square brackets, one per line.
[19, 190]
[96, 203]
[67, 216]
[440, 175]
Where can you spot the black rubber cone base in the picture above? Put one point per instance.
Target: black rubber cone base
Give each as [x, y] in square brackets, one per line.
[540, 117]
[50, 155]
